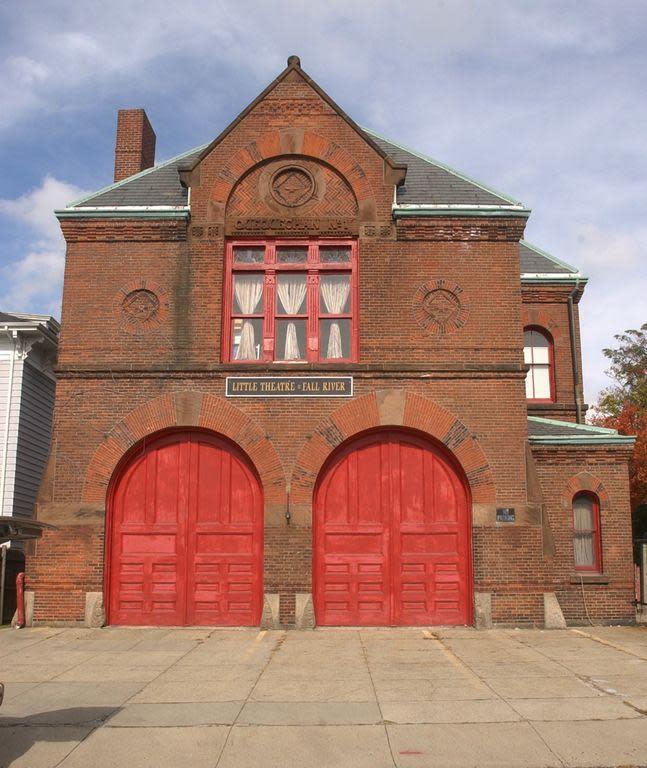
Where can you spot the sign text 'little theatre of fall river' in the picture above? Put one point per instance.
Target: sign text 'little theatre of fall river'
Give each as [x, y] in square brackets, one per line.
[289, 386]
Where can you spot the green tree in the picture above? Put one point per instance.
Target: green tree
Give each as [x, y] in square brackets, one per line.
[623, 406]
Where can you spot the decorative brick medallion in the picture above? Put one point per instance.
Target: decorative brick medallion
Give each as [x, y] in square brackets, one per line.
[438, 308]
[141, 306]
[292, 186]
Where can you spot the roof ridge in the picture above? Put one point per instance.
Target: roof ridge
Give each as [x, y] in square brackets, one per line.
[552, 258]
[145, 172]
[448, 168]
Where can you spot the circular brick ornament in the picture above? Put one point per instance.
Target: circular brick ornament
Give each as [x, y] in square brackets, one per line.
[438, 308]
[292, 186]
[141, 306]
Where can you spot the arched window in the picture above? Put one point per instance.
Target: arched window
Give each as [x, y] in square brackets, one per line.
[587, 548]
[538, 354]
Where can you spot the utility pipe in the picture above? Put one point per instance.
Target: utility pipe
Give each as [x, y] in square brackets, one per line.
[576, 367]
[20, 600]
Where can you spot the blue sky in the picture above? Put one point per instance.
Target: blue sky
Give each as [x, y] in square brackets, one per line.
[545, 101]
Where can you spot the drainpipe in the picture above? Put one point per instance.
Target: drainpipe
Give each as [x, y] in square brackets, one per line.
[576, 367]
[3, 477]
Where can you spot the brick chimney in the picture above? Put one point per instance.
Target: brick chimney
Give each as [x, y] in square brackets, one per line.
[135, 145]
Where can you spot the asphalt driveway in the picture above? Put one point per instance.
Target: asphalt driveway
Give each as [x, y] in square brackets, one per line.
[342, 698]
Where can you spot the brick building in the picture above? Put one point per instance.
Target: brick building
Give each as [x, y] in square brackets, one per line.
[309, 376]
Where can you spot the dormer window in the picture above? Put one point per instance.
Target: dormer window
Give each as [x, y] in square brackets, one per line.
[291, 302]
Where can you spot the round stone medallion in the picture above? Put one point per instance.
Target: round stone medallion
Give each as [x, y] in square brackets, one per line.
[292, 186]
[438, 307]
[140, 306]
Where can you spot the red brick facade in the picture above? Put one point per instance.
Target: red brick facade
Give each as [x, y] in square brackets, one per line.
[121, 381]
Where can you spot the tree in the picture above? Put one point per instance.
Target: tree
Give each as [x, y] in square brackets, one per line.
[623, 406]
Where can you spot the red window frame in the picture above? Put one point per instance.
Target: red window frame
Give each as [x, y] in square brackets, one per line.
[551, 363]
[270, 268]
[597, 537]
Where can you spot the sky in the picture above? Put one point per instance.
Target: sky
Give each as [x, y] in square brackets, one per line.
[545, 101]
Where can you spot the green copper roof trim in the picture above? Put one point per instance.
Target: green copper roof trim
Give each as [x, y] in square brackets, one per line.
[139, 175]
[400, 212]
[555, 277]
[581, 440]
[554, 259]
[447, 168]
[115, 213]
[596, 436]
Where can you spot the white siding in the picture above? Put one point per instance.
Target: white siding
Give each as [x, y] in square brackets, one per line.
[12, 441]
[34, 434]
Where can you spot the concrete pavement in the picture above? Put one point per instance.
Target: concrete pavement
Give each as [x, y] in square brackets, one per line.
[343, 698]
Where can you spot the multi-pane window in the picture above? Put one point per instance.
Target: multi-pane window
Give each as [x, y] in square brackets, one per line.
[291, 301]
[538, 355]
[586, 532]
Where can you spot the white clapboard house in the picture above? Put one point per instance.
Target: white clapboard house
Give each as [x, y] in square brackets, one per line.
[28, 345]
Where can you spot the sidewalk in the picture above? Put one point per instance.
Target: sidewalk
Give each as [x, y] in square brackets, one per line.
[342, 698]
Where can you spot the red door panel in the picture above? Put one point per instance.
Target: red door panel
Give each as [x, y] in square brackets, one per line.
[392, 536]
[186, 535]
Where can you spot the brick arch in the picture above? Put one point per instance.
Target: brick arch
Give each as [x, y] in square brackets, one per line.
[187, 409]
[291, 142]
[539, 318]
[585, 481]
[394, 408]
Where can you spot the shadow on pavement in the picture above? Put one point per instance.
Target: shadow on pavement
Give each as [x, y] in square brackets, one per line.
[19, 734]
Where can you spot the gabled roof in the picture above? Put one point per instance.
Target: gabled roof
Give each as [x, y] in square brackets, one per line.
[433, 183]
[156, 186]
[552, 432]
[427, 183]
[294, 67]
[538, 265]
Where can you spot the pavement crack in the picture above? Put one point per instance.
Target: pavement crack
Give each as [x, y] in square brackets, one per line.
[377, 701]
[277, 646]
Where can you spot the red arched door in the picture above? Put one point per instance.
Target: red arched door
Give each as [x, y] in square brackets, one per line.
[392, 535]
[186, 535]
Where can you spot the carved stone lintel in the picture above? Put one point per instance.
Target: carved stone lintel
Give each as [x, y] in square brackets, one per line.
[342, 227]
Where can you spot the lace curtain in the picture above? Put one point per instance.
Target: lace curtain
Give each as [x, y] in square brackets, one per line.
[292, 291]
[248, 290]
[583, 523]
[334, 292]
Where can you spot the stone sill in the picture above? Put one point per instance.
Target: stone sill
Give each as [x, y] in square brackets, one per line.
[589, 578]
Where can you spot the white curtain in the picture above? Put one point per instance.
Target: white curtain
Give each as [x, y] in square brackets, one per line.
[583, 543]
[248, 290]
[292, 291]
[334, 292]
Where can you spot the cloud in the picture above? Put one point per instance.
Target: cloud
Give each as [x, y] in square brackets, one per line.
[544, 101]
[35, 279]
[600, 249]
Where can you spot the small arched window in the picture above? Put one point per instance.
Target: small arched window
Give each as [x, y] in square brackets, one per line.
[587, 549]
[538, 354]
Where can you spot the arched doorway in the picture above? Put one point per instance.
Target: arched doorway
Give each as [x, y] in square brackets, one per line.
[392, 534]
[185, 534]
